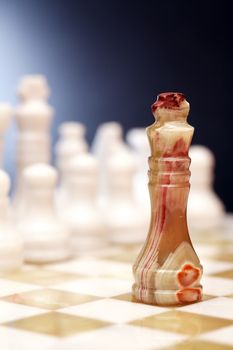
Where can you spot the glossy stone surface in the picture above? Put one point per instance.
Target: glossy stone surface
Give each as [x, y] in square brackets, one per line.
[167, 270]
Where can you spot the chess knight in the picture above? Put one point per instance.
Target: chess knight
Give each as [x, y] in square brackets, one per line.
[167, 270]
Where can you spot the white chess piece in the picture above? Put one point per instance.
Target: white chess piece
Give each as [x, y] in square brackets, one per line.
[11, 245]
[71, 142]
[34, 117]
[108, 135]
[81, 214]
[124, 220]
[205, 209]
[6, 112]
[108, 141]
[137, 139]
[33, 87]
[45, 238]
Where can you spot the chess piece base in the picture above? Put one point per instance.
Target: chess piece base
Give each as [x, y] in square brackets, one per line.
[167, 297]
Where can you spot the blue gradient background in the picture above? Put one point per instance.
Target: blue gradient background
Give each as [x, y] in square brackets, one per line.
[107, 60]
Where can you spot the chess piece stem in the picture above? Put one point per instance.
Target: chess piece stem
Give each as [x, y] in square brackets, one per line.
[168, 271]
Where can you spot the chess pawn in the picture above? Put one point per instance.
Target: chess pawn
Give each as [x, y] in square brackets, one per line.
[137, 139]
[124, 221]
[167, 270]
[11, 245]
[5, 119]
[45, 238]
[81, 214]
[107, 142]
[108, 134]
[71, 142]
[33, 87]
[205, 209]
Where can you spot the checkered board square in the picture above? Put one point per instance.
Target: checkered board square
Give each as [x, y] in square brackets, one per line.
[86, 303]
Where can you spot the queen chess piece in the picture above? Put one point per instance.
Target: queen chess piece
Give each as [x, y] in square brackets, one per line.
[167, 270]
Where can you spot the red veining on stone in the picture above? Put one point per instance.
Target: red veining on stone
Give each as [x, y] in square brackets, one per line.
[188, 275]
[150, 251]
[189, 295]
[170, 100]
[179, 149]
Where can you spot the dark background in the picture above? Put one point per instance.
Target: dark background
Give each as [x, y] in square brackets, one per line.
[107, 60]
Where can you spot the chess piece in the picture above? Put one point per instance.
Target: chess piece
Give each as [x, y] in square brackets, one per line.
[167, 270]
[138, 141]
[45, 238]
[11, 245]
[81, 214]
[5, 119]
[33, 87]
[205, 209]
[124, 220]
[107, 134]
[33, 117]
[107, 142]
[71, 142]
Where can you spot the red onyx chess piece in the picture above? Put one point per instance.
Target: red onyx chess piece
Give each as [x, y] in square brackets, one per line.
[167, 270]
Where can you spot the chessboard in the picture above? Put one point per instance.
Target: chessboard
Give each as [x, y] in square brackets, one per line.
[86, 303]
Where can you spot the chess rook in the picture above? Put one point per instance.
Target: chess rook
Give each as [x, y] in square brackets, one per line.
[45, 238]
[11, 245]
[167, 270]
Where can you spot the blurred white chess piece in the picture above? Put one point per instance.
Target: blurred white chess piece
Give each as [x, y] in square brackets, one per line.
[33, 117]
[6, 112]
[137, 139]
[71, 142]
[33, 87]
[205, 209]
[124, 220]
[81, 214]
[45, 237]
[108, 135]
[11, 245]
[108, 141]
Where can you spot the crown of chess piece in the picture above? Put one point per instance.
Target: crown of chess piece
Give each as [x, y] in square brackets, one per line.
[11, 244]
[124, 220]
[81, 214]
[167, 270]
[205, 209]
[6, 113]
[46, 239]
[34, 117]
